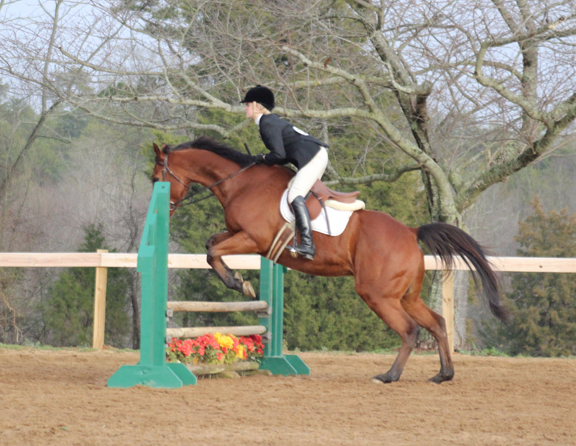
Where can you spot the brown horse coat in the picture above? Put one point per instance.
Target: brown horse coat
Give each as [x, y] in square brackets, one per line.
[381, 253]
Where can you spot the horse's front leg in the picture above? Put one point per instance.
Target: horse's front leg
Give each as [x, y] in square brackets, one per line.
[212, 241]
[226, 243]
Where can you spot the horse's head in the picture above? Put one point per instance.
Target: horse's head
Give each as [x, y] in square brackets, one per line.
[171, 173]
[204, 161]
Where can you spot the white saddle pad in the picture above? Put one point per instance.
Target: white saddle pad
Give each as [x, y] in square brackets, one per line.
[338, 219]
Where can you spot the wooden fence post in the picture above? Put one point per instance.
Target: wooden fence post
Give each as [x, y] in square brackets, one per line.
[448, 306]
[100, 305]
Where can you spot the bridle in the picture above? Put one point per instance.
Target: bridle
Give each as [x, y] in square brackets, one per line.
[174, 205]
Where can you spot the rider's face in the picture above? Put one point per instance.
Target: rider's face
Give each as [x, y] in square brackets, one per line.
[249, 109]
[252, 109]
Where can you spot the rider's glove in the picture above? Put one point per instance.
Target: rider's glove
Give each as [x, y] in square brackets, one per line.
[258, 159]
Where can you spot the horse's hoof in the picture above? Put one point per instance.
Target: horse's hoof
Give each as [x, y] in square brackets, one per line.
[436, 379]
[440, 378]
[382, 379]
[238, 276]
[247, 290]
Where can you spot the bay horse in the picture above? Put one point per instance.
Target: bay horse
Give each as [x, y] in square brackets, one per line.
[381, 253]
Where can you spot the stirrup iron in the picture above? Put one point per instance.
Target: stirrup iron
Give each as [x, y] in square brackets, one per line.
[293, 251]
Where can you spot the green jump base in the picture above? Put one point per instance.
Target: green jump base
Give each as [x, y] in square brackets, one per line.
[285, 365]
[169, 376]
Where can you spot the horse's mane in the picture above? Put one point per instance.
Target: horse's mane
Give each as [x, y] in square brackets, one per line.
[214, 146]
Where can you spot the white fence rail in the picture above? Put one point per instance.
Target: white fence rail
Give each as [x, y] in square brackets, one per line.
[198, 261]
[116, 260]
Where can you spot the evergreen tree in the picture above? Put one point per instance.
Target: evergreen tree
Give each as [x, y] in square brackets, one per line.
[68, 312]
[544, 305]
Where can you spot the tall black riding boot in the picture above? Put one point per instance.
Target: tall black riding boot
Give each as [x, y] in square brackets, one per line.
[306, 247]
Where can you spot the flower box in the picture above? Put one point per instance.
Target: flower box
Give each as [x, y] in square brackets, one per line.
[218, 355]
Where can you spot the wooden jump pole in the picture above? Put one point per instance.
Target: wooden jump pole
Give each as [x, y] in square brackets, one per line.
[218, 307]
[194, 332]
[99, 305]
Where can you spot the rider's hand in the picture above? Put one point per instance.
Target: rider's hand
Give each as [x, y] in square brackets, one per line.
[258, 159]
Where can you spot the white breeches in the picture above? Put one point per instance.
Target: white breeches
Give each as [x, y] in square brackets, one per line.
[307, 175]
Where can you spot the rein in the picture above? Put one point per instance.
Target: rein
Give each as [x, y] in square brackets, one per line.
[173, 205]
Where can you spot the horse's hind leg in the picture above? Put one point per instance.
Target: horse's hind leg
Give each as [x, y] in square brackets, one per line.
[231, 279]
[435, 324]
[391, 312]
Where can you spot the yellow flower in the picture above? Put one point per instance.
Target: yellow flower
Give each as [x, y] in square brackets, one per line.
[224, 341]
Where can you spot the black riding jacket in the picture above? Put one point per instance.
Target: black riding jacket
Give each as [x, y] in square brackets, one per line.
[286, 144]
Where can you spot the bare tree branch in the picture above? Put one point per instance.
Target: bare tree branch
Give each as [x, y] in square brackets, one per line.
[470, 97]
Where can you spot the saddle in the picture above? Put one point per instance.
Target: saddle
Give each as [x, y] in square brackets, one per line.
[330, 197]
[342, 201]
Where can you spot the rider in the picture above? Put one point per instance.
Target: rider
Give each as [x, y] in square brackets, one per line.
[289, 144]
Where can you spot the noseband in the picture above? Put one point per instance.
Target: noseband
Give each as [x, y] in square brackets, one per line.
[173, 205]
[166, 169]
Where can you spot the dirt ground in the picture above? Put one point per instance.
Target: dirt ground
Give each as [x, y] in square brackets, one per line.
[61, 398]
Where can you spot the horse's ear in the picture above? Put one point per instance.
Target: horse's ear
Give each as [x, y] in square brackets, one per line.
[156, 149]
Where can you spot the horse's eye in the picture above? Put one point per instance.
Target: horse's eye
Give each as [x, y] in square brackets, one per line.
[154, 179]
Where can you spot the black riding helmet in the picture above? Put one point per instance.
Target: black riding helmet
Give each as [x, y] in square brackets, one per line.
[262, 95]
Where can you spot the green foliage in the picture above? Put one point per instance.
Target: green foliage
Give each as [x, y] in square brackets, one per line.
[326, 313]
[543, 305]
[71, 125]
[68, 311]
[247, 134]
[44, 161]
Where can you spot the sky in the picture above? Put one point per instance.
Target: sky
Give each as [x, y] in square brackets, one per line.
[22, 8]
[30, 8]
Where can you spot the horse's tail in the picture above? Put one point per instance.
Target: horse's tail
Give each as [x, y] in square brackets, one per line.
[447, 241]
